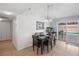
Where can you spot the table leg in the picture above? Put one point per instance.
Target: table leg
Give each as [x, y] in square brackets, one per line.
[33, 45]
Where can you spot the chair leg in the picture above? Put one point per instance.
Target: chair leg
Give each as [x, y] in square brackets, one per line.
[43, 47]
[51, 44]
[47, 48]
[33, 44]
[33, 47]
[54, 41]
[37, 50]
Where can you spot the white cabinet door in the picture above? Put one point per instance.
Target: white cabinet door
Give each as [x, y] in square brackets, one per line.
[4, 31]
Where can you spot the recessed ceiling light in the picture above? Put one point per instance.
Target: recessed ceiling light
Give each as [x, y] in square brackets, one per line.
[7, 13]
[1, 19]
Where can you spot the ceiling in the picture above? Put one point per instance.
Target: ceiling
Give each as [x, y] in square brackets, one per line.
[56, 10]
[19, 8]
[16, 8]
[64, 10]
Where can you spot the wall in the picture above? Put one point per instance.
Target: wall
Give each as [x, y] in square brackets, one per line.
[26, 27]
[14, 33]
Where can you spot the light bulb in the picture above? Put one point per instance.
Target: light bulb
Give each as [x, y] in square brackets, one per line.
[1, 19]
[7, 13]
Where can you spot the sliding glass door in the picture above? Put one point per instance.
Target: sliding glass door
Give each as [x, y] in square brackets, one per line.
[62, 31]
[72, 33]
[68, 32]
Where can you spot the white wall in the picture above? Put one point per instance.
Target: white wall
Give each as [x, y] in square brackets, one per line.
[14, 33]
[26, 26]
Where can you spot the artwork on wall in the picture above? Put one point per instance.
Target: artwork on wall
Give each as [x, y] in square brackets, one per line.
[39, 25]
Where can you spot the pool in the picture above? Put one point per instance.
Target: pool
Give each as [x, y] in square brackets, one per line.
[71, 33]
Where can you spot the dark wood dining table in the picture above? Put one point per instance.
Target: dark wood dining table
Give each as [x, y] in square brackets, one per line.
[42, 38]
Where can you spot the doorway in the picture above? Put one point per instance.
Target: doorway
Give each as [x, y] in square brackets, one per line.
[6, 45]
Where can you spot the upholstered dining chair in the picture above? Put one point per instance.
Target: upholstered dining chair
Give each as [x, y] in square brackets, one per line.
[36, 42]
[48, 41]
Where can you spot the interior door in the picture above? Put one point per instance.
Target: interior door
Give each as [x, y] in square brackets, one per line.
[4, 31]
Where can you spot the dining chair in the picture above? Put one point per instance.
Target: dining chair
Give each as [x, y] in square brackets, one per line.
[36, 42]
[54, 40]
[48, 41]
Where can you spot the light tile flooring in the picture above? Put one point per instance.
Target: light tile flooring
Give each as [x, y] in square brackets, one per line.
[61, 49]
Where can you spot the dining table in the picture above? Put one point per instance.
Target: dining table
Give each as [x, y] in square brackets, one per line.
[42, 38]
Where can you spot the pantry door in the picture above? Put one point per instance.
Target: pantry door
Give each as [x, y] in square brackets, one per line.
[5, 33]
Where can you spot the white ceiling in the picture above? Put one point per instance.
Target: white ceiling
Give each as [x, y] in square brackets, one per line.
[12, 7]
[17, 8]
[64, 10]
[56, 9]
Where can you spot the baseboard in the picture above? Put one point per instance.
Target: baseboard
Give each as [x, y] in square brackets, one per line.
[29, 45]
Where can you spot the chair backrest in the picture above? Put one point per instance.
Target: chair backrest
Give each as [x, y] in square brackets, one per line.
[35, 39]
[41, 34]
[51, 36]
[36, 34]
